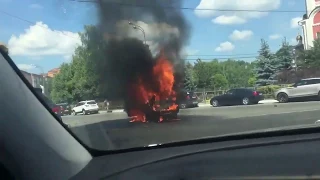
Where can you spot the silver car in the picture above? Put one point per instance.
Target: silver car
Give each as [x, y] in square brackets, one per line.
[304, 88]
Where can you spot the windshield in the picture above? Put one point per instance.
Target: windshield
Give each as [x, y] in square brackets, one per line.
[91, 102]
[145, 72]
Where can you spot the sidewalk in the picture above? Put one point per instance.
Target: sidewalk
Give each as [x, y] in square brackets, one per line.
[267, 101]
[111, 111]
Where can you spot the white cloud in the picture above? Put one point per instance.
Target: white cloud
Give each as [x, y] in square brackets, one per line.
[35, 6]
[228, 20]
[225, 47]
[235, 17]
[294, 22]
[240, 35]
[275, 36]
[40, 40]
[25, 67]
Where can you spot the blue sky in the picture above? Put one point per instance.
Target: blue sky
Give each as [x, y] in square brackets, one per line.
[44, 33]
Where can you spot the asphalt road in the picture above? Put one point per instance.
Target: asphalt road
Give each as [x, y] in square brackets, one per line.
[113, 130]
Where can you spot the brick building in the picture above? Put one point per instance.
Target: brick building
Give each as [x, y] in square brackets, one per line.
[53, 72]
[37, 80]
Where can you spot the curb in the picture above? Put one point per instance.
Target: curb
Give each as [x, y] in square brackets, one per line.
[112, 111]
[268, 101]
[204, 105]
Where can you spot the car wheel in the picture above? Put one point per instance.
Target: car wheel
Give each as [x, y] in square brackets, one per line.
[282, 97]
[245, 101]
[215, 103]
[84, 112]
[74, 113]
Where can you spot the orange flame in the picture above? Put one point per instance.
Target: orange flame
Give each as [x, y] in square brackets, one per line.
[163, 77]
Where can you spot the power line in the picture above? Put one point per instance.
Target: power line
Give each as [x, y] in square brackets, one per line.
[30, 22]
[189, 8]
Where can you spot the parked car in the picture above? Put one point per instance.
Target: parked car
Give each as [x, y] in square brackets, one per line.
[301, 89]
[236, 97]
[86, 107]
[187, 99]
[65, 109]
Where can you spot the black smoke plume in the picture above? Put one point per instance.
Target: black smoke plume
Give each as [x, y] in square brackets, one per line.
[127, 58]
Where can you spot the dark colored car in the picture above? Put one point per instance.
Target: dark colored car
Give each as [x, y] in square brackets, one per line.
[65, 109]
[236, 97]
[187, 99]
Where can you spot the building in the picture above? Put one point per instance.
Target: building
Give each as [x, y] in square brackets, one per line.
[37, 80]
[53, 72]
[310, 23]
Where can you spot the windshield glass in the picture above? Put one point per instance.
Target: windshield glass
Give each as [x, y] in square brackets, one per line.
[91, 102]
[142, 72]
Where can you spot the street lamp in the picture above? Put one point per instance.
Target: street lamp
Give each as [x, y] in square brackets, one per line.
[135, 26]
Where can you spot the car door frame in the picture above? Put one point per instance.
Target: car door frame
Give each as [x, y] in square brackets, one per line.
[228, 97]
[78, 108]
[238, 95]
[298, 89]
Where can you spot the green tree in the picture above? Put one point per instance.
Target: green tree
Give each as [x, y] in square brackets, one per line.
[189, 82]
[266, 65]
[219, 81]
[203, 73]
[62, 86]
[79, 80]
[236, 72]
[284, 56]
[311, 58]
[252, 81]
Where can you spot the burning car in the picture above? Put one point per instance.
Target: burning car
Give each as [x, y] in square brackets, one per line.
[142, 71]
[157, 110]
[155, 102]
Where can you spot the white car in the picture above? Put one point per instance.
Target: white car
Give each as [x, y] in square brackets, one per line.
[304, 88]
[86, 107]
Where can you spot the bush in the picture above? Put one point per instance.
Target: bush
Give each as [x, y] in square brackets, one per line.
[271, 89]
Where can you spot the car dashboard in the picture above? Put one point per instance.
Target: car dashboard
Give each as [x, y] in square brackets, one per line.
[294, 157]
